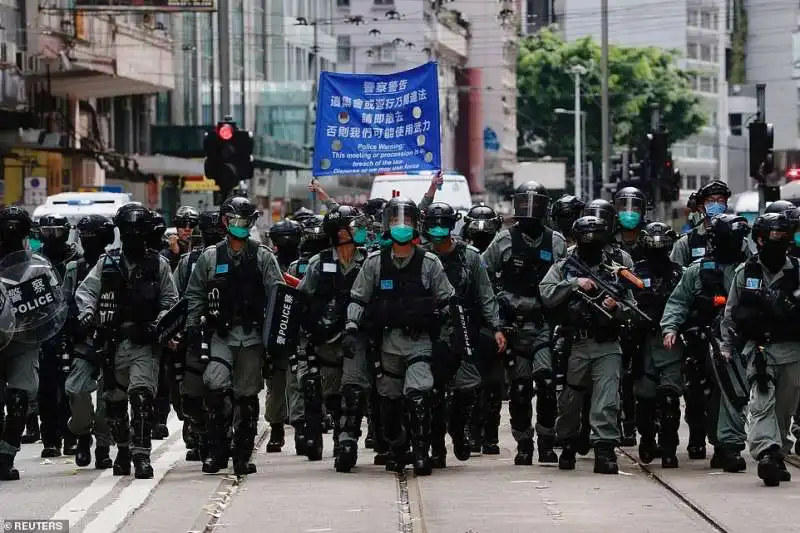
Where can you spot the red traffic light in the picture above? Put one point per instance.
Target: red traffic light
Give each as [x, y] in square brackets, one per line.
[225, 132]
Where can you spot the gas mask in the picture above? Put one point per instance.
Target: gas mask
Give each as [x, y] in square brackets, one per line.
[591, 252]
[532, 227]
[92, 248]
[773, 255]
[134, 245]
[727, 250]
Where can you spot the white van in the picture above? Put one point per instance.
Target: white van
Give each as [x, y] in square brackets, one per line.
[454, 191]
[76, 205]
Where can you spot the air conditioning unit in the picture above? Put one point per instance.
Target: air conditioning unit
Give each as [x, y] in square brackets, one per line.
[8, 54]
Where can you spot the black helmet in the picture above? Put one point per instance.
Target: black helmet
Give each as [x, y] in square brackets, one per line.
[96, 227]
[565, 211]
[775, 227]
[374, 207]
[602, 209]
[238, 215]
[794, 217]
[726, 233]
[779, 206]
[134, 218]
[314, 239]
[400, 211]
[630, 204]
[481, 219]
[14, 220]
[657, 236]
[302, 214]
[590, 229]
[714, 188]
[531, 201]
[439, 215]
[186, 217]
[210, 226]
[286, 233]
[344, 217]
[54, 228]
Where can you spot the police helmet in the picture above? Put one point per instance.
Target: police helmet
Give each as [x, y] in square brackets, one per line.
[779, 206]
[134, 218]
[54, 228]
[794, 216]
[312, 228]
[713, 188]
[590, 229]
[604, 210]
[657, 236]
[727, 228]
[238, 212]
[774, 227]
[186, 217]
[630, 204]
[565, 211]
[302, 214]
[14, 222]
[96, 227]
[481, 219]
[286, 233]
[342, 217]
[210, 225]
[440, 214]
[531, 201]
[374, 207]
[400, 211]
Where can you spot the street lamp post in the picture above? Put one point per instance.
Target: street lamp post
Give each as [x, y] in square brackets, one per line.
[580, 148]
[578, 71]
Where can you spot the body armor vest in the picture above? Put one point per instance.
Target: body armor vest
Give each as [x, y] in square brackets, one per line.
[582, 318]
[328, 305]
[130, 296]
[401, 301]
[191, 260]
[658, 285]
[698, 243]
[527, 265]
[713, 293]
[236, 292]
[768, 313]
[456, 268]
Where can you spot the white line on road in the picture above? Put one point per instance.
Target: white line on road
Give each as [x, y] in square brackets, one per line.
[134, 495]
[79, 506]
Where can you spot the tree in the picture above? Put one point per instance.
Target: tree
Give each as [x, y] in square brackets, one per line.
[640, 79]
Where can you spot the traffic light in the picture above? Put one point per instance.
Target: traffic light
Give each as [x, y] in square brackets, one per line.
[761, 143]
[658, 156]
[229, 156]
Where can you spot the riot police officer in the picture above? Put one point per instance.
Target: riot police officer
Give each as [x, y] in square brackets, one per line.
[763, 312]
[594, 360]
[188, 366]
[656, 372]
[518, 259]
[302, 214]
[52, 399]
[18, 362]
[481, 224]
[96, 232]
[226, 296]
[563, 214]
[185, 221]
[336, 372]
[125, 294]
[285, 237]
[454, 363]
[402, 293]
[166, 384]
[693, 311]
[712, 200]
[631, 205]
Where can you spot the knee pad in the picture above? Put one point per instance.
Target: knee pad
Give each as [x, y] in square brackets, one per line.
[17, 403]
[669, 403]
[352, 404]
[116, 409]
[193, 409]
[521, 392]
[219, 403]
[248, 407]
[545, 388]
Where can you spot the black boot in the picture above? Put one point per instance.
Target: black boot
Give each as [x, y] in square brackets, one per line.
[333, 406]
[728, 459]
[420, 426]
[785, 475]
[102, 458]
[83, 451]
[669, 408]
[312, 398]
[299, 437]
[645, 421]
[493, 403]
[159, 429]
[7, 470]
[122, 462]
[438, 429]
[521, 410]
[546, 409]
[583, 443]
[381, 446]
[32, 433]
[369, 440]
[769, 469]
[51, 450]
[461, 408]
[524, 455]
[277, 438]
[628, 423]
[352, 409]
[567, 459]
[547, 454]
[605, 460]
[142, 469]
[244, 435]
[219, 406]
[17, 406]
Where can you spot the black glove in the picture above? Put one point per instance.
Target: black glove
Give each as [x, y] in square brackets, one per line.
[350, 344]
[86, 320]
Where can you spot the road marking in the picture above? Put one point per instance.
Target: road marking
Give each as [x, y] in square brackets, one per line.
[134, 495]
[78, 507]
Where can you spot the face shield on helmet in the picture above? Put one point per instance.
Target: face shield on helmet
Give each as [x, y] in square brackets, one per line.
[239, 226]
[531, 205]
[630, 211]
[401, 222]
[359, 229]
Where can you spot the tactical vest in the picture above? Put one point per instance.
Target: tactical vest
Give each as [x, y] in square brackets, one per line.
[127, 296]
[237, 291]
[401, 301]
[302, 266]
[713, 293]
[82, 269]
[584, 321]
[527, 265]
[191, 260]
[456, 268]
[761, 314]
[698, 243]
[658, 285]
[327, 307]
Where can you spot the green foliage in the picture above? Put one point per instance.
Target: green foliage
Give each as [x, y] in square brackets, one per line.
[640, 79]
[739, 42]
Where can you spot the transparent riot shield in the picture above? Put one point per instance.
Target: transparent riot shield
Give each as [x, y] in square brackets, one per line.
[33, 288]
[7, 318]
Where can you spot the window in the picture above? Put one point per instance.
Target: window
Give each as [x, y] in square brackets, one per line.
[383, 3]
[691, 182]
[342, 3]
[707, 84]
[705, 151]
[705, 20]
[691, 151]
[695, 83]
[691, 51]
[387, 53]
[704, 180]
[705, 52]
[343, 48]
[692, 18]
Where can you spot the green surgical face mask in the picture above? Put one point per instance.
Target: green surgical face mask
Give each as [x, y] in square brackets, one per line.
[35, 244]
[438, 233]
[239, 232]
[360, 236]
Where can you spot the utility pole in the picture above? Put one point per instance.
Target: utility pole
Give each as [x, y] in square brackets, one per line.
[223, 23]
[578, 71]
[604, 120]
[212, 75]
[655, 179]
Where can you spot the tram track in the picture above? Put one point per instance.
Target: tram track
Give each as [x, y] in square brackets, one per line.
[410, 518]
[687, 502]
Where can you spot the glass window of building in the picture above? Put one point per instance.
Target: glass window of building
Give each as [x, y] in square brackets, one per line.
[691, 50]
[691, 182]
[343, 48]
[704, 180]
[692, 17]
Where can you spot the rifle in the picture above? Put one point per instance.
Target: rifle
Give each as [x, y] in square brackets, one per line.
[605, 289]
[562, 346]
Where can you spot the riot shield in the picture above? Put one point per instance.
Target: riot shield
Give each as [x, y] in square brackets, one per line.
[462, 344]
[33, 287]
[7, 318]
[282, 325]
[172, 322]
